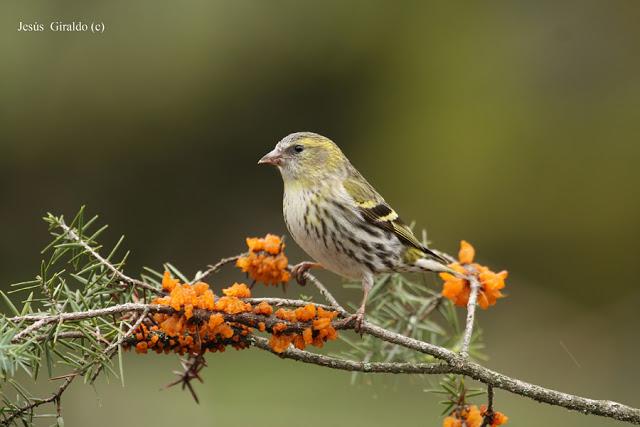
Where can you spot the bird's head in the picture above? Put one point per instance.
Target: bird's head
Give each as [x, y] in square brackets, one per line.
[307, 158]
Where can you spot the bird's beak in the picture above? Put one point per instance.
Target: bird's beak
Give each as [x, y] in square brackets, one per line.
[271, 158]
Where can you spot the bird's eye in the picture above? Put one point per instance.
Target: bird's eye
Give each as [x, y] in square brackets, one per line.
[298, 148]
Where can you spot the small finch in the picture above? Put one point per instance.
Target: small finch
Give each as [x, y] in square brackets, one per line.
[340, 220]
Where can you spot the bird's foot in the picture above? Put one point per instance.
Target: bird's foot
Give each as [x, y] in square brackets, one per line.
[299, 271]
[357, 320]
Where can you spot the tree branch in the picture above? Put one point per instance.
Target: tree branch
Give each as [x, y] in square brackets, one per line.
[353, 366]
[454, 363]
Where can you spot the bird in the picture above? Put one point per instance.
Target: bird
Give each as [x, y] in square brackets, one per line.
[340, 220]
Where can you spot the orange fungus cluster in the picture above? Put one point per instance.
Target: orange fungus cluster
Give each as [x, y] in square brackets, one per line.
[181, 332]
[472, 416]
[266, 261]
[458, 289]
[317, 333]
[190, 331]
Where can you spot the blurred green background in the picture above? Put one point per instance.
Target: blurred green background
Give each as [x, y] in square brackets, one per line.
[512, 124]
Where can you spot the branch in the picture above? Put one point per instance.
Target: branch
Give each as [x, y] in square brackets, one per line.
[324, 292]
[423, 313]
[123, 277]
[215, 267]
[353, 366]
[191, 368]
[488, 417]
[113, 347]
[471, 313]
[283, 302]
[55, 397]
[454, 363]
[109, 351]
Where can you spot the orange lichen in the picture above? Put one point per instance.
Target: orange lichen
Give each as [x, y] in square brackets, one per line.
[199, 321]
[168, 282]
[280, 343]
[182, 332]
[239, 290]
[466, 252]
[263, 308]
[141, 347]
[279, 327]
[320, 331]
[270, 243]
[451, 422]
[458, 289]
[285, 314]
[306, 313]
[232, 305]
[321, 323]
[307, 335]
[266, 261]
[498, 418]
[472, 416]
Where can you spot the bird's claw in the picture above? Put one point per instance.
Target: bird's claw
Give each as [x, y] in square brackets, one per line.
[357, 321]
[299, 271]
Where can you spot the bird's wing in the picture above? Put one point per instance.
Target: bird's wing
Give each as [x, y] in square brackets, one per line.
[377, 212]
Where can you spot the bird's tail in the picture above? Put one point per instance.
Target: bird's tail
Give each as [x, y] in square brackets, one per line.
[430, 264]
[436, 265]
[435, 255]
[425, 259]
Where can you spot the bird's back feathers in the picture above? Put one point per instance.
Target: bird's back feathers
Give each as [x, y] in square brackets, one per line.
[376, 211]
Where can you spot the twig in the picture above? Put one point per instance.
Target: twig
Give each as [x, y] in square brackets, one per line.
[70, 377]
[113, 347]
[471, 313]
[123, 277]
[43, 320]
[324, 292]
[488, 416]
[422, 314]
[215, 267]
[190, 370]
[39, 323]
[55, 397]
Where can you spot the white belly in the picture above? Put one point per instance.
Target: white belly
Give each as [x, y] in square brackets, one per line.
[309, 225]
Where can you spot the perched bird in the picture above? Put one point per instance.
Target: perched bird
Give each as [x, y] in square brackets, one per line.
[340, 220]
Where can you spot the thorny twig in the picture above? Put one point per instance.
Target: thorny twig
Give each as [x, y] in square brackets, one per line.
[55, 397]
[68, 379]
[191, 368]
[214, 268]
[130, 281]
